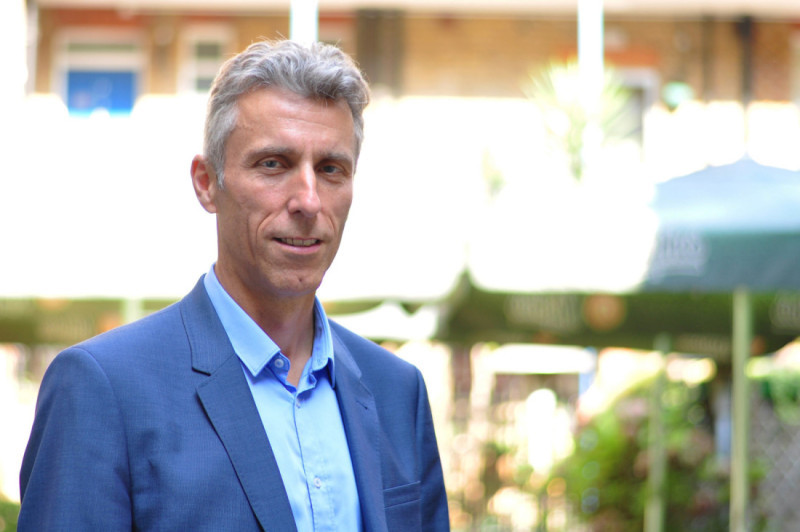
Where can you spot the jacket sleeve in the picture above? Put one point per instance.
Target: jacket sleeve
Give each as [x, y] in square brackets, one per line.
[75, 473]
[435, 515]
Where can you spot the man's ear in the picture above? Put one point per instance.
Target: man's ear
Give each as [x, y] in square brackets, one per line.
[204, 180]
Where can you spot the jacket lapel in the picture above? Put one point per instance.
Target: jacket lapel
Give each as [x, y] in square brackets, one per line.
[227, 400]
[360, 418]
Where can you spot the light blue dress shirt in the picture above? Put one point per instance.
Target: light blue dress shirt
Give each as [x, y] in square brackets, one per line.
[303, 424]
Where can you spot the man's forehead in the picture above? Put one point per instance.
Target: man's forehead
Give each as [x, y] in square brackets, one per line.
[267, 105]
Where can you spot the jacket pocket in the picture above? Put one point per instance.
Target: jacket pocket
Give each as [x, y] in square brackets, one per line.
[402, 504]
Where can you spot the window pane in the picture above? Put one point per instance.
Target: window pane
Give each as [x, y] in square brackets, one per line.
[91, 90]
[207, 50]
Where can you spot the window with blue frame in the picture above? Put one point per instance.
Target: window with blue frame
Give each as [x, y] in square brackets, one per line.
[89, 91]
[100, 72]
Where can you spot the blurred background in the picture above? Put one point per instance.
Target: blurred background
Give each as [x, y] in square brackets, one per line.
[580, 219]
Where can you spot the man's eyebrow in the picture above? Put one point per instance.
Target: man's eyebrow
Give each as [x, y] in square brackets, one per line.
[269, 151]
[342, 157]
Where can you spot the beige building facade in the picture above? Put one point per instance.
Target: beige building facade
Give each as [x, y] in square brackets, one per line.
[461, 54]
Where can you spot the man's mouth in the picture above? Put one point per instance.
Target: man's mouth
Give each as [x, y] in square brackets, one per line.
[299, 242]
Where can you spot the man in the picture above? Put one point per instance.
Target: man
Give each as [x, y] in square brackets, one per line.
[242, 407]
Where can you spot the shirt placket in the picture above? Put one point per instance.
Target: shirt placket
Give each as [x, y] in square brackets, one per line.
[314, 462]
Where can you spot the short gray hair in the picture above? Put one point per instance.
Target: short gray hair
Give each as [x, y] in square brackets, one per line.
[318, 71]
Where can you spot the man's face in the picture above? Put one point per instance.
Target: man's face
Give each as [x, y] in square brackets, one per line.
[288, 185]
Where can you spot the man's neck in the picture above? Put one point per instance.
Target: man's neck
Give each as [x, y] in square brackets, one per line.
[290, 324]
[292, 329]
[288, 321]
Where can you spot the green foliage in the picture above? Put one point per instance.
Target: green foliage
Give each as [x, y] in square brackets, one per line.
[559, 93]
[606, 477]
[782, 389]
[9, 512]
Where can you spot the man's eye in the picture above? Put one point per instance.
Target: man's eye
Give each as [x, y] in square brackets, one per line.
[330, 169]
[271, 164]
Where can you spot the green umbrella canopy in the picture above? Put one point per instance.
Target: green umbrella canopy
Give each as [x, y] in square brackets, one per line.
[595, 269]
[726, 227]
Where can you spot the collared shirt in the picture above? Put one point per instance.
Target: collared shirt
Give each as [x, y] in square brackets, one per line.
[303, 423]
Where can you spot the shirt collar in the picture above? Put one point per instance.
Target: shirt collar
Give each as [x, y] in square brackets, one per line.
[252, 345]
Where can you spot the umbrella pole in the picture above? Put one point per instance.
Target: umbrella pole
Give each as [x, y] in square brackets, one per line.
[657, 449]
[132, 309]
[742, 340]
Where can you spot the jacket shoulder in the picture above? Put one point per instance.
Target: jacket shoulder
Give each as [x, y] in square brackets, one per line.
[158, 328]
[162, 330]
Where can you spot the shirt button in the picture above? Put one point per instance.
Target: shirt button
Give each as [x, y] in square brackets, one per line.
[279, 363]
[317, 482]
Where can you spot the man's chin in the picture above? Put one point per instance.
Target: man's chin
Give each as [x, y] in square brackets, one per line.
[300, 288]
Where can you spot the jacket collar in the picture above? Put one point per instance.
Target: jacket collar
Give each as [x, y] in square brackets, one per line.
[227, 401]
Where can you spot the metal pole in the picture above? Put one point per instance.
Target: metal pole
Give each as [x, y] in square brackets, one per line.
[590, 45]
[590, 70]
[657, 449]
[304, 21]
[132, 309]
[742, 339]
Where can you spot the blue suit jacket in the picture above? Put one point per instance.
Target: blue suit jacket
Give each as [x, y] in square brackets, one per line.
[152, 426]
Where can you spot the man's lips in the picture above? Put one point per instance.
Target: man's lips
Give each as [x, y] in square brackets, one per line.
[299, 242]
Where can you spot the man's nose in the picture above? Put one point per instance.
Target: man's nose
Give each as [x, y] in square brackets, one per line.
[304, 196]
